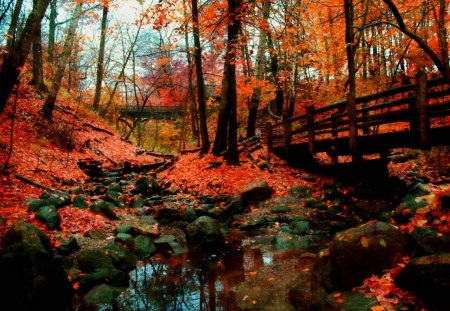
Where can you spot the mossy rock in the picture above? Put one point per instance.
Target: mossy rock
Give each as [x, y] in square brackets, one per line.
[76, 190]
[137, 202]
[280, 209]
[126, 239]
[122, 258]
[35, 204]
[105, 208]
[56, 198]
[68, 246]
[110, 276]
[92, 259]
[102, 294]
[315, 204]
[115, 187]
[144, 246]
[80, 201]
[50, 217]
[300, 227]
[300, 192]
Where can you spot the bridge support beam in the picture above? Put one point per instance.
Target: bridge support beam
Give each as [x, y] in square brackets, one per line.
[310, 126]
[420, 118]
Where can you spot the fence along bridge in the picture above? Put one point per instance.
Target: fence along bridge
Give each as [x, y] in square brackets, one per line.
[373, 127]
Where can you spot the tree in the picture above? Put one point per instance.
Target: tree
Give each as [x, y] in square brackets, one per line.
[226, 134]
[17, 53]
[38, 71]
[52, 31]
[49, 104]
[101, 56]
[200, 80]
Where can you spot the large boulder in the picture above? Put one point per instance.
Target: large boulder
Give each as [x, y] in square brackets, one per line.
[256, 191]
[122, 258]
[428, 241]
[92, 259]
[411, 202]
[31, 278]
[204, 234]
[365, 250]
[428, 278]
[100, 295]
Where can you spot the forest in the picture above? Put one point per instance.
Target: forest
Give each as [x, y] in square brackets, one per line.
[224, 155]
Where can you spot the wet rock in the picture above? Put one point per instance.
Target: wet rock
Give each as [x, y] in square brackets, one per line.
[92, 259]
[49, 216]
[31, 278]
[110, 276]
[80, 201]
[256, 191]
[365, 250]
[285, 240]
[299, 192]
[122, 258]
[166, 215]
[411, 202]
[204, 234]
[168, 244]
[68, 246]
[101, 294]
[143, 246]
[146, 225]
[427, 241]
[101, 207]
[428, 278]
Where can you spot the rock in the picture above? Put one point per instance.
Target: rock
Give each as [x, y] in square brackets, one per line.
[95, 234]
[80, 201]
[235, 205]
[146, 186]
[166, 215]
[101, 294]
[427, 241]
[354, 301]
[115, 187]
[93, 259]
[31, 278]
[146, 225]
[254, 224]
[109, 276]
[204, 234]
[50, 217]
[280, 209]
[102, 207]
[126, 229]
[137, 202]
[300, 227]
[410, 203]
[76, 190]
[428, 278]
[68, 246]
[285, 240]
[122, 258]
[315, 204]
[365, 250]
[34, 205]
[168, 244]
[143, 246]
[125, 239]
[299, 192]
[57, 198]
[256, 191]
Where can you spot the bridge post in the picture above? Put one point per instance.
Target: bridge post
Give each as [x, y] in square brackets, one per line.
[353, 129]
[310, 127]
[269, 136]
[420, 121]
[287, 132]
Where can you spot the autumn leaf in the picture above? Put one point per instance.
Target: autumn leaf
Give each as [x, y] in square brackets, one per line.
[364, 242]
[383, 243]
[377, 308]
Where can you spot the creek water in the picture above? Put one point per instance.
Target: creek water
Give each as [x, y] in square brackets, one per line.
[251, 276]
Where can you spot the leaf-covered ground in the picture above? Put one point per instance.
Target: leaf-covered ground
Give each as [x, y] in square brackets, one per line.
[48, 152]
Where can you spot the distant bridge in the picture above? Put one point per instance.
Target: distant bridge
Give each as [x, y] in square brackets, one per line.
[409, 116]
[151, 112]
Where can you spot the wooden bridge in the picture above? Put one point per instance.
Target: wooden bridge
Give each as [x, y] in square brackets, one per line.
[151, 112]
[409, 116]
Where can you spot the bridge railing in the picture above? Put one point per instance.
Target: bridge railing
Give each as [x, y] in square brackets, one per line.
[150, 111]
[409, 104]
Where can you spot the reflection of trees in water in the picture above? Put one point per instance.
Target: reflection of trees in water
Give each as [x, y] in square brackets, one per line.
[193, 282]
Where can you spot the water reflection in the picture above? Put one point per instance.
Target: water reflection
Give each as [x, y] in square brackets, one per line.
[191, 281]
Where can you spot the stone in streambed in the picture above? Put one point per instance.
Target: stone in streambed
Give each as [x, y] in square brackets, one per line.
[49, 216]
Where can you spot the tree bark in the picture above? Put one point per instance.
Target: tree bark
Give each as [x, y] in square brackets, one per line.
[52, 31]
[101, 57]
[49, 104]
[38, 72]
[259, 74]
[200, 81]
[12, 31]
[17, 54]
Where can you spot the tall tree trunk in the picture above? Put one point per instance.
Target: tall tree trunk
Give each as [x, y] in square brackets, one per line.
[200, 80]
[190, 95]
[16, 56]
[442, 35]
[12, 31]
[229, 100]
[49, 104]
[274, 66]
[38, 72]
[351, 95]
[101, 57]
[259, 74]
[52, 31]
